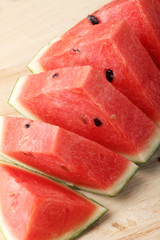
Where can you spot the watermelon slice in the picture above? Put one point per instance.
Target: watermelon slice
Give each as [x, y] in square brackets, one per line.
[64, 155]
[142, 15]
[81, 100]
[33, 207]
[117, 50]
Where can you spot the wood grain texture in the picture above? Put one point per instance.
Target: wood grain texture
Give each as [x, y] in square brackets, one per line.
[25, 26]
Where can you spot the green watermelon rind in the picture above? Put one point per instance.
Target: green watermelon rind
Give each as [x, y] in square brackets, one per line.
[117, 186]
[27, 115]
[100, 211]
[116, 192]
[155, 142]
[147, 153]
[3, 233]
[113, 191]
[152, 153]
[80, 232]
[150, 156]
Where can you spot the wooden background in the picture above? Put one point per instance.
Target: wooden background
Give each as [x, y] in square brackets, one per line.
[25, 26]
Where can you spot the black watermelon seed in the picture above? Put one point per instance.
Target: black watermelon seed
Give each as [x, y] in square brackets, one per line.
[109, 75]
[97, 122]
[64, 168]
[27, 125]
[83, 120]
[93, 19]
[76, 50]
[28, 154]
[55, 75]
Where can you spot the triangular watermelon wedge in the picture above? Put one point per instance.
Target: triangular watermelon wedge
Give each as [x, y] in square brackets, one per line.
[115, 48]
[64, 156]
[34, 207]
[142, 16]
[81, 100]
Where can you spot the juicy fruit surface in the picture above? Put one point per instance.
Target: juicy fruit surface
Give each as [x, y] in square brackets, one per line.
[74, 105]
[65, 155]
[118, 49]
[33, 207]
[142, 15]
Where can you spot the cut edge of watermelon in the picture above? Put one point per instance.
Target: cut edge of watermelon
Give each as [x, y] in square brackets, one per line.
[118, 185]
[34, 65]
[111, 192]
[147, 152]
[149, 149]
[13, 101]
[70, 235]
[130, 171]
[98, 213]
[58, 38]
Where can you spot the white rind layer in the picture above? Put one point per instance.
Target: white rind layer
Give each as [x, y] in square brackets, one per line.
[112, 191]
[14, 102]
[123, 180]
[151, 146]
[70, 235]
[100, 211]
[142, 157]
[58, 38]
[34, 65]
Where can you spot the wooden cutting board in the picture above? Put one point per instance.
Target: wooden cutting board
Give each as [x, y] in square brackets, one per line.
[27, 25]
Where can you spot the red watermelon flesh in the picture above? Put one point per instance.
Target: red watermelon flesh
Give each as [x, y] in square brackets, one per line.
[64, 155]
[142, 15]
[33, 207]
[81, 100]
[117, 48]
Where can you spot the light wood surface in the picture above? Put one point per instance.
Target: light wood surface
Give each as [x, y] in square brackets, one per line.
[27, 25]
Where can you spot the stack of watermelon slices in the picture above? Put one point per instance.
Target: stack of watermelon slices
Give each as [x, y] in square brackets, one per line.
[94, 104]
